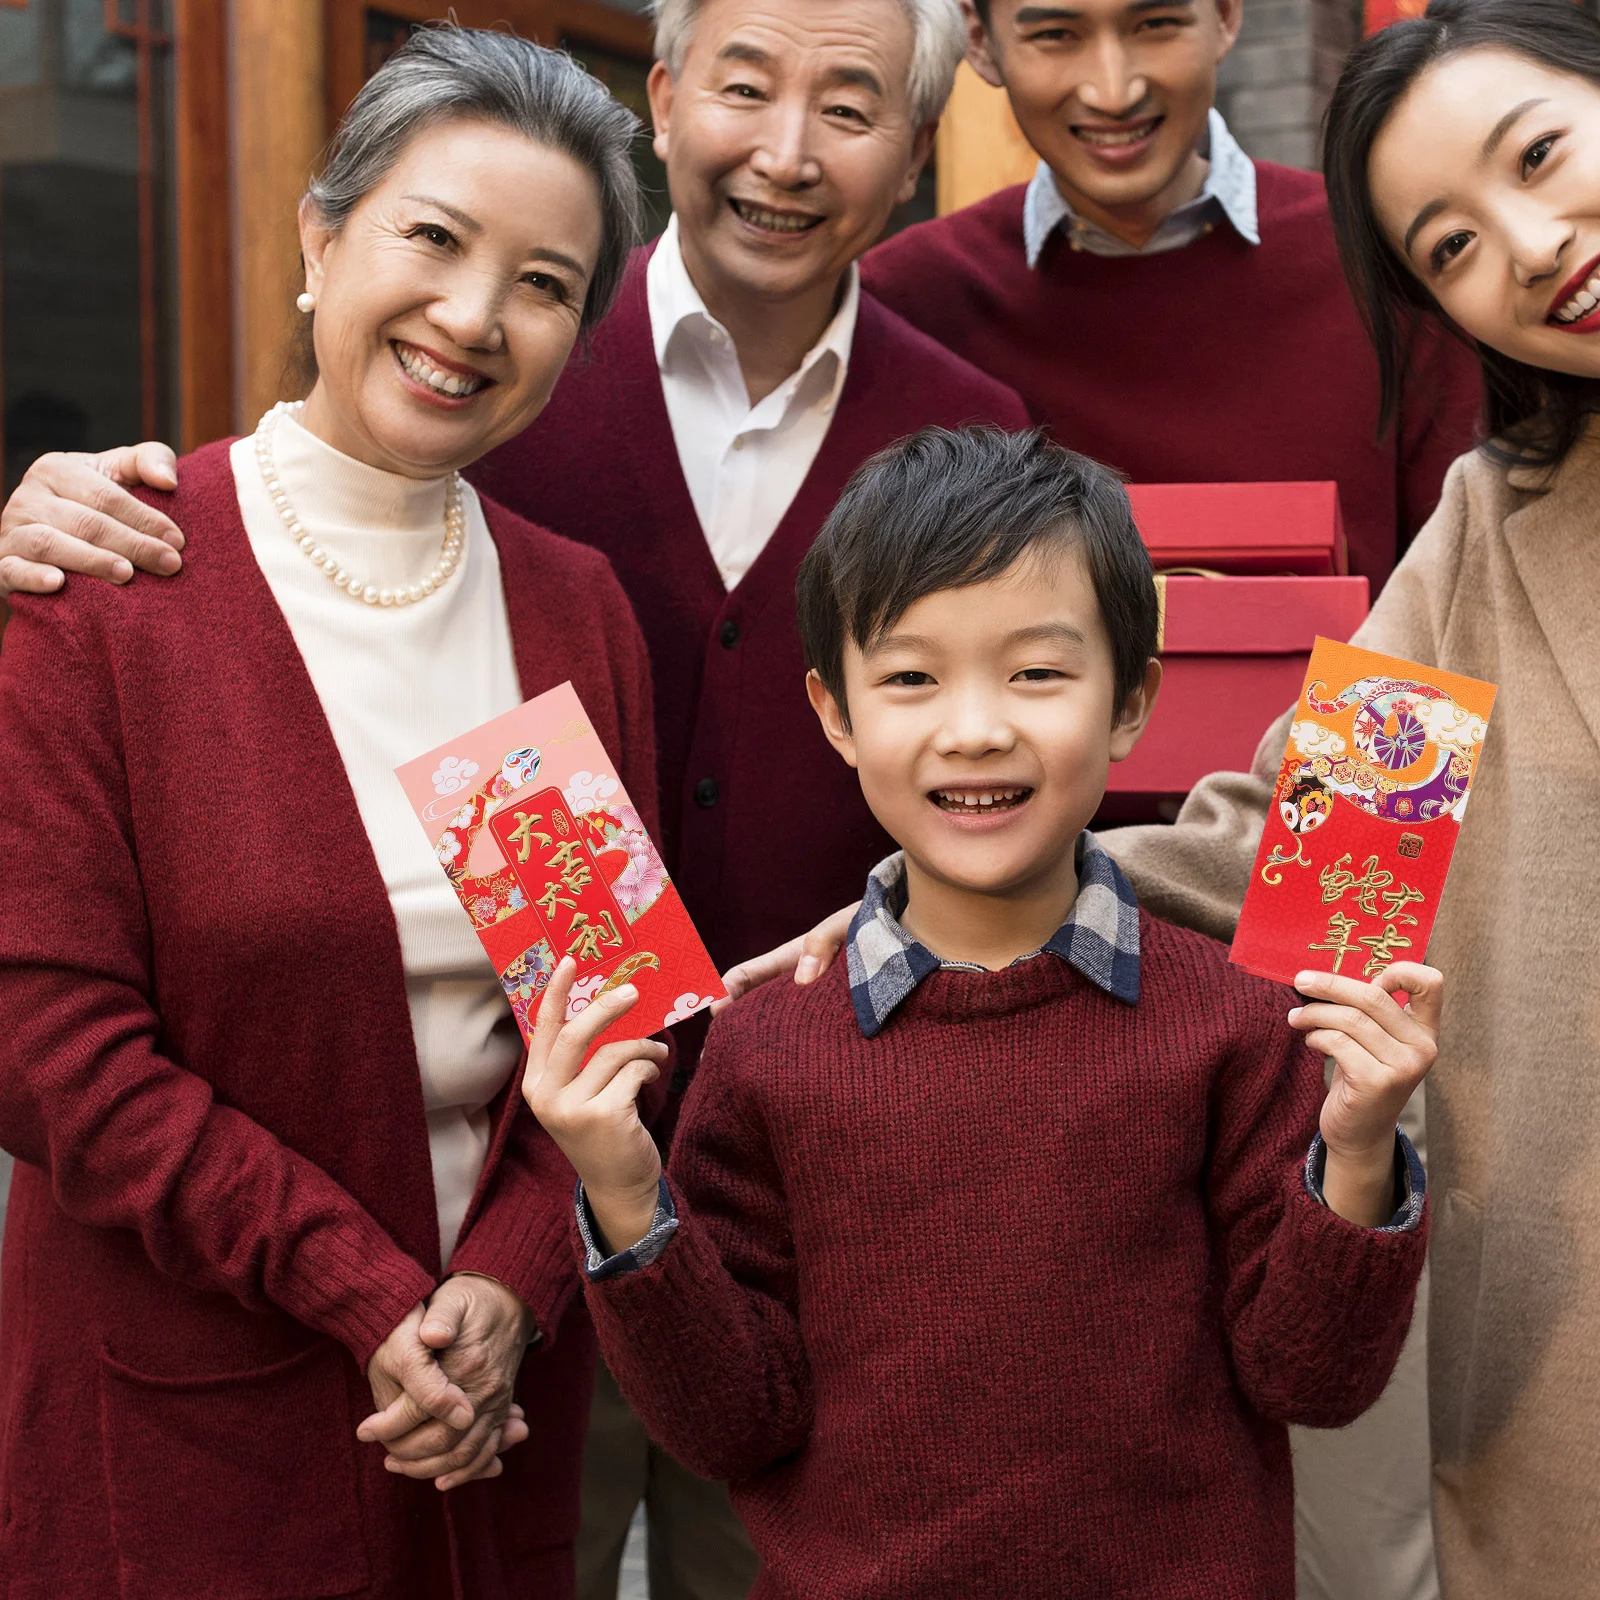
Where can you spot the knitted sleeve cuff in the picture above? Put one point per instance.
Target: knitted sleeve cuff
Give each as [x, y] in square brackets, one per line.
[599, 1267]
[1410, 1183]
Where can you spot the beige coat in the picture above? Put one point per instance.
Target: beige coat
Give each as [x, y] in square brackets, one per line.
[1502, 584]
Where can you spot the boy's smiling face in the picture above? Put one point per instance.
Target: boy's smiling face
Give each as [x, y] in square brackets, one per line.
[983, 723]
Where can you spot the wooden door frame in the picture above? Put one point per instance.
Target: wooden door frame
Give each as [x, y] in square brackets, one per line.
[202, 181]
[547, 21]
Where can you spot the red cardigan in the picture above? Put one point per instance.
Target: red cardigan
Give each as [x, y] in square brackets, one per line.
[1221, 361]
[764, 827]
[1016, 1298]
[223, 1200]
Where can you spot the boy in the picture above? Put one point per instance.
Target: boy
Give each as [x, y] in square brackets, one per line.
[997, 1260]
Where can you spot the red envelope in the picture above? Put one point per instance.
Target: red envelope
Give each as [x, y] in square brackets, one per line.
[549, 857]
[1364, 816]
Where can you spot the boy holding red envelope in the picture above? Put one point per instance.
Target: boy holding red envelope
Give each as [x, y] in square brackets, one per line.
[1000, 1256]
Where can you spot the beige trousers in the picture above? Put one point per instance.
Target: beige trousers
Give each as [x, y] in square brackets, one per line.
[698, 1550]
[1362, 1511]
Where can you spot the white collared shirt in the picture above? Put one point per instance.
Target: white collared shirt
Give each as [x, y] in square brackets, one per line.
[744, 464]
[1229, 194]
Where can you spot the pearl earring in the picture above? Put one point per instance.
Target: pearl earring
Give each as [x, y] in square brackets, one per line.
[306, 303]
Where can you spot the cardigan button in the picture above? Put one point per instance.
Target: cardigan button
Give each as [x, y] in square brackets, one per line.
[707, 793]
[729, 634]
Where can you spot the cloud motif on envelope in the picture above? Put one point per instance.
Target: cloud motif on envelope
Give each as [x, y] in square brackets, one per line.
[584, 791]
[582, 994]
[1451, 725]
[454, 774]
[1313, 739]
[686, 1006]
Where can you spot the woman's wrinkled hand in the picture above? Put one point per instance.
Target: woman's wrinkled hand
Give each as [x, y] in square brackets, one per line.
[475, 1331]
[72, 513]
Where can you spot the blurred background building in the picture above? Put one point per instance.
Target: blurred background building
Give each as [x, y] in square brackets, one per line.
[152, 153]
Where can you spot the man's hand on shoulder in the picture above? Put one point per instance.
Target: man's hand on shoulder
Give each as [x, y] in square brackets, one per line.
[1381, 1052]
[73, 513]
[589, 1105]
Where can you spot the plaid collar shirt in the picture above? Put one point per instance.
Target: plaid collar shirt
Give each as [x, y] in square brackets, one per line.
[1100, 938]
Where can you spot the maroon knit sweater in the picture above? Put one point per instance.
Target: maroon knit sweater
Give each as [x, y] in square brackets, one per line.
[1221, 361]
[223, 1198]
[764, 828]
[1016, 1298]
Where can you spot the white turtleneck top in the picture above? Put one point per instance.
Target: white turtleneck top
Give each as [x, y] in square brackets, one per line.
[394, 683]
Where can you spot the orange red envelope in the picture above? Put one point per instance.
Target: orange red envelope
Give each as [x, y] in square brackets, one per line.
[1364, 817]
[533, 827]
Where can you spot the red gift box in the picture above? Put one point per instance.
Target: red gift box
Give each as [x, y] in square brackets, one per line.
[1235, 642]
[1257, 529]
[1234, 652]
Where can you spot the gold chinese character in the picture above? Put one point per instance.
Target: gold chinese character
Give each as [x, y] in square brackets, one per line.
[1383, 947]
[566, 856]
[1395, 902]
[524, 835]
[577, 876]
[1340, 927]
[591, 935]
[1337, 881]
[553, 897]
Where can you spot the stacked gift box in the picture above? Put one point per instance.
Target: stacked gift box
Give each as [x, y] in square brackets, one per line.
[1250, 574]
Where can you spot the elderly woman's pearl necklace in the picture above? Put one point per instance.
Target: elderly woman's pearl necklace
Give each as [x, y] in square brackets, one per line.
[455, 528]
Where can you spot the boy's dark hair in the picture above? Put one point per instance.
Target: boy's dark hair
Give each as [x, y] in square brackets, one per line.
[1533, 416]
[947, 508]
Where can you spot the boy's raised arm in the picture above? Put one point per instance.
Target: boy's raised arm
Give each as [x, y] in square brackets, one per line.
[1323, 1238]
[691, 1282]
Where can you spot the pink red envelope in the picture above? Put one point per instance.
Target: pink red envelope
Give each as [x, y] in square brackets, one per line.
[532, 825]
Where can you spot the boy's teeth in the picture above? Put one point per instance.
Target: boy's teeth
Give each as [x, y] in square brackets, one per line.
[979, 801]
[420, 368]
[1582, 303]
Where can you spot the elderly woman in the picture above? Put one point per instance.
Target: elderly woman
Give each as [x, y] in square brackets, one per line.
[256, 1070]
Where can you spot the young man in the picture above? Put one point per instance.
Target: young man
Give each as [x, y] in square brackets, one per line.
[1160, 301]
[997, 1259]
[741, 379]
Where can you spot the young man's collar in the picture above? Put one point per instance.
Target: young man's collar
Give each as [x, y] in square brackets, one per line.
[675, 305]
[1229, 194]
[1100, 937]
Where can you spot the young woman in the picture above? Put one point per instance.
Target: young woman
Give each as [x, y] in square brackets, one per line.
[257, 1072]
[1463, 169]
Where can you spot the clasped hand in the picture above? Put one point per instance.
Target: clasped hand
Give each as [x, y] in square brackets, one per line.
[443, 1384]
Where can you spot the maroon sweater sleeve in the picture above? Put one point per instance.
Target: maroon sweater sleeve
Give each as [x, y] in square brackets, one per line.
[128, 1137]
[520, 1233]
[705, 1342]
[1316, 1308]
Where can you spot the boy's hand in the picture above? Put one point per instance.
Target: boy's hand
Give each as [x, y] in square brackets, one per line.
[1381, 1052]
[591, 1109]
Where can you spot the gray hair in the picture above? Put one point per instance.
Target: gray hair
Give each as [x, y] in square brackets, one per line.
[939, 40]
[450, 74]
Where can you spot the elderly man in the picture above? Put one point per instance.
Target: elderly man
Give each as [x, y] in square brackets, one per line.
[1158, 299]
[743, 376]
